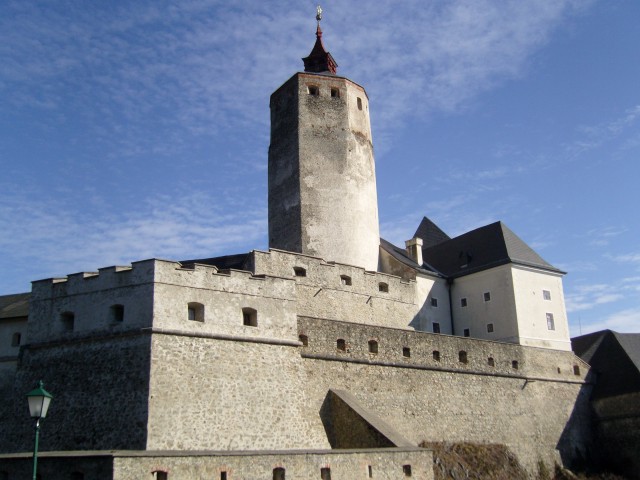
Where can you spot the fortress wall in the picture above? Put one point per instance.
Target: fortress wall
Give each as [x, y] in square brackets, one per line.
[533, 410]
[223, 297]
[211, 394]
[99, 388]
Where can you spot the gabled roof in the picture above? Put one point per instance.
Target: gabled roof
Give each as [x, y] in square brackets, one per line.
[430, 233]
[402, 256]
[14, 306]
[483, 248]
[616, 359]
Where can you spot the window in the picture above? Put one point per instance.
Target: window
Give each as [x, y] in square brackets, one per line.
[345, 280]
[304, 340]
[299, 272]
[559, 371]
[335, 93]
[466, 332]
[463, 302]
[195, 312]
[489, 327]
[434, 302]
[341, 345]
[436, 355]
[278, 473]
[313, 90]
[160, 475]
[487, 296]
[117, 313]
[462, 356]
[383, 287]
[576, 370]
[370, 471]
[68, 320]
[223, 475]
[359, 103]
[406, 352]
[15, 339]
[325, 473]
[514, 364]
[436, 327]
[406, 469]
[249, 317]
[546, 294]
[491, 362]
[551, 325]
[373, 346]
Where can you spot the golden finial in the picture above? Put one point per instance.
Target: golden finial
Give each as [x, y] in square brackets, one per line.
[319, 13]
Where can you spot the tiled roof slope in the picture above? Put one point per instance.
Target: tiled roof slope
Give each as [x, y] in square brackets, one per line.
[401, 255]
[615, 357]
[430, 233]
[481, 249]
[14, 306]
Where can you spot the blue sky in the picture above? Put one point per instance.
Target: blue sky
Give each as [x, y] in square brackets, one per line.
[131, 130]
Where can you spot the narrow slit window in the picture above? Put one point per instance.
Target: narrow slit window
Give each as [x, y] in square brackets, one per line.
[373, 346]
[359, 103]
[249, 317]
[406, 469]
[15, 339]
[117, 313]
[491, 362]
[463, 302]
[515, 365]
[576, 370]
[406, 352]
[487, 296]
[223, 475]
[68, 320]
[466, 332]
[489, 327]
[195, 312]
[462, 357]
[436, 355]
[345, 279]
[341, 345]
[325, 473]
[383, 287]
[370, 471]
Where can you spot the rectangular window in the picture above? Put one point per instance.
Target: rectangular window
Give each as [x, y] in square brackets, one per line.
[489, 327]
[487, 296]
[550, 322]
[436, 327]
[434, 302]
[466, 332]
[546, 294]
[463, 302]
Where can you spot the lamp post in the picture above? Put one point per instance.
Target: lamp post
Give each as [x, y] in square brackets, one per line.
[39, 400]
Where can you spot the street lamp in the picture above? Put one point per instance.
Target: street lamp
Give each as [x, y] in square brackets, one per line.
[39, 400]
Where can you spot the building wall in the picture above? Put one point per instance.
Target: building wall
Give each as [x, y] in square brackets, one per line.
[428, 288]
[534, 409]
[532, 308]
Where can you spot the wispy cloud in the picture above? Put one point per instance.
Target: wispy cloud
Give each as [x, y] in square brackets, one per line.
[623, 321]
[586, 297]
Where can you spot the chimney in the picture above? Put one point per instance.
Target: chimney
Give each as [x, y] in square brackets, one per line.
[414, 249]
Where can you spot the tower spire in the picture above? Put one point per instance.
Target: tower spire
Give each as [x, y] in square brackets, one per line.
[319, 60]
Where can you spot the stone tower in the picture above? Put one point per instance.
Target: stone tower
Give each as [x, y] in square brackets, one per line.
[322, 183]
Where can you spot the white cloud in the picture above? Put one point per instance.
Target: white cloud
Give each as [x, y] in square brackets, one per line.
[623, 321]
[586, 297]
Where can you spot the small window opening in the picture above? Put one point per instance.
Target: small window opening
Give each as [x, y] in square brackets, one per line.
[546, 294]
[436, 355]
[491, 362]
[434, 302]
[383, 287]
[15, 339]
[463, 302]
[373, 346]
[195, 312]
[370, 470]
[359, 103]
[559, 370]
[487, 296]
[341, 345]
[223, 475]
[117, 313]
[406, 352]
[160, 475]
[551, 325]
[304, 340]
[406, 469]
[576, 370]
[436, 327]
[466, 332]
[299, 272]
[68, 321]
[313, 90]
[345, 280]
[335, 93]
[514, 364]
[249, 317]
[325, 473]
[489, 327]
[462, 356]
[278, 473]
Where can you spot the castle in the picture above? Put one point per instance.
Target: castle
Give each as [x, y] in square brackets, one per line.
[331, 355]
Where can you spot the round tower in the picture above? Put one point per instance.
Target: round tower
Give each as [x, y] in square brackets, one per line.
[322, 183]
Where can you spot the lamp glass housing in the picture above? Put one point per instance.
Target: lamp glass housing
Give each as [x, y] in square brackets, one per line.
[39, 400]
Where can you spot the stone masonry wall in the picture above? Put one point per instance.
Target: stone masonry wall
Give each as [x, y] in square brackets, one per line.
[533, 409]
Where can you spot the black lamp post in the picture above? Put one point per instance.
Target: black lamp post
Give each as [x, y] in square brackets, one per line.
[39, 400]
